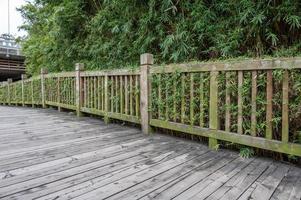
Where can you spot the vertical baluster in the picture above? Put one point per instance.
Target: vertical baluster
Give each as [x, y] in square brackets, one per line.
[112, 93]
[106, 99]
[131, 95]
[88, 91]
[95, 93]
[71, 91]
[254, 105]
[269, 111]
[201, 100]
[191, 107]
[121, 95]
[59, 93]
[228, 104]
[285, 110]
[174, 89]
[137, 102]
[183, 99]
[91, 91]
[99, 93]
[159, 96]
[32, 93]
[85, 91]
[126, 95]
[166, 98]
[103, 93]
[240, 103]
[116, 94]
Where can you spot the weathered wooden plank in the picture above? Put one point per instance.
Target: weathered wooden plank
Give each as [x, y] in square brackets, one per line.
[245, 65]
[269, 185]
[177, 187]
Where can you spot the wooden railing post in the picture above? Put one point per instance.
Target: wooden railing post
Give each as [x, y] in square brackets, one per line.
[106, 117]
[213, 107]
[43, 92]
[23, 77]
[9, 81]
[146, 61]
[78, 88]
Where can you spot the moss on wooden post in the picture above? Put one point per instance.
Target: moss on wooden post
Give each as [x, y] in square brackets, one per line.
[78, 88]
[9, 81]
[213, 109]
[146, 61]
[43, 72]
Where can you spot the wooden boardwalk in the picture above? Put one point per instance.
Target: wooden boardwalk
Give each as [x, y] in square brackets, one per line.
[45, 154]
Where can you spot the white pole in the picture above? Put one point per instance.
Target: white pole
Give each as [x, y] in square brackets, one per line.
[8, 18]
[8, 28]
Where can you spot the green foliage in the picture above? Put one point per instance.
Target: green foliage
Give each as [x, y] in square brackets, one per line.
[110, 34]
[246, 152]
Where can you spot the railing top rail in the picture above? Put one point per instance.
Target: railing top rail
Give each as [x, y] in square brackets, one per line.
[62, 74]
[235, 65]
[115, 72]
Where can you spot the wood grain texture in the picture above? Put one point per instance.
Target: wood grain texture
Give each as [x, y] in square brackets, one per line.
[52, 155]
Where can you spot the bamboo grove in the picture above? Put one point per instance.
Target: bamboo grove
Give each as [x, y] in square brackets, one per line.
[102, 33]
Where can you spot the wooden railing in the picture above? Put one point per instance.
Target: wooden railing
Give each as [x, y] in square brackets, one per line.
[243, 102]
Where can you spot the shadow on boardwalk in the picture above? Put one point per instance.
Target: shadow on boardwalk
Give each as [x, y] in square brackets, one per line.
[49, 155]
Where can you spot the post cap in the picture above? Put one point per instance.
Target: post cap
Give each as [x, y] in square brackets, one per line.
[23, 76]
[79, 66]
[146, 59]
[44, 71]
[9, 80]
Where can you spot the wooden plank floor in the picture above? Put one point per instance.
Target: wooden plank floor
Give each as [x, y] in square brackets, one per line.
[45, 154]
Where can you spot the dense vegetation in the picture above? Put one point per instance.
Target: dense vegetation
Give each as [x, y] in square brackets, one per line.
[112, 33]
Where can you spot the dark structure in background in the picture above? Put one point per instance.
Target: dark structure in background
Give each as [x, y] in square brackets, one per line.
[11, 59]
